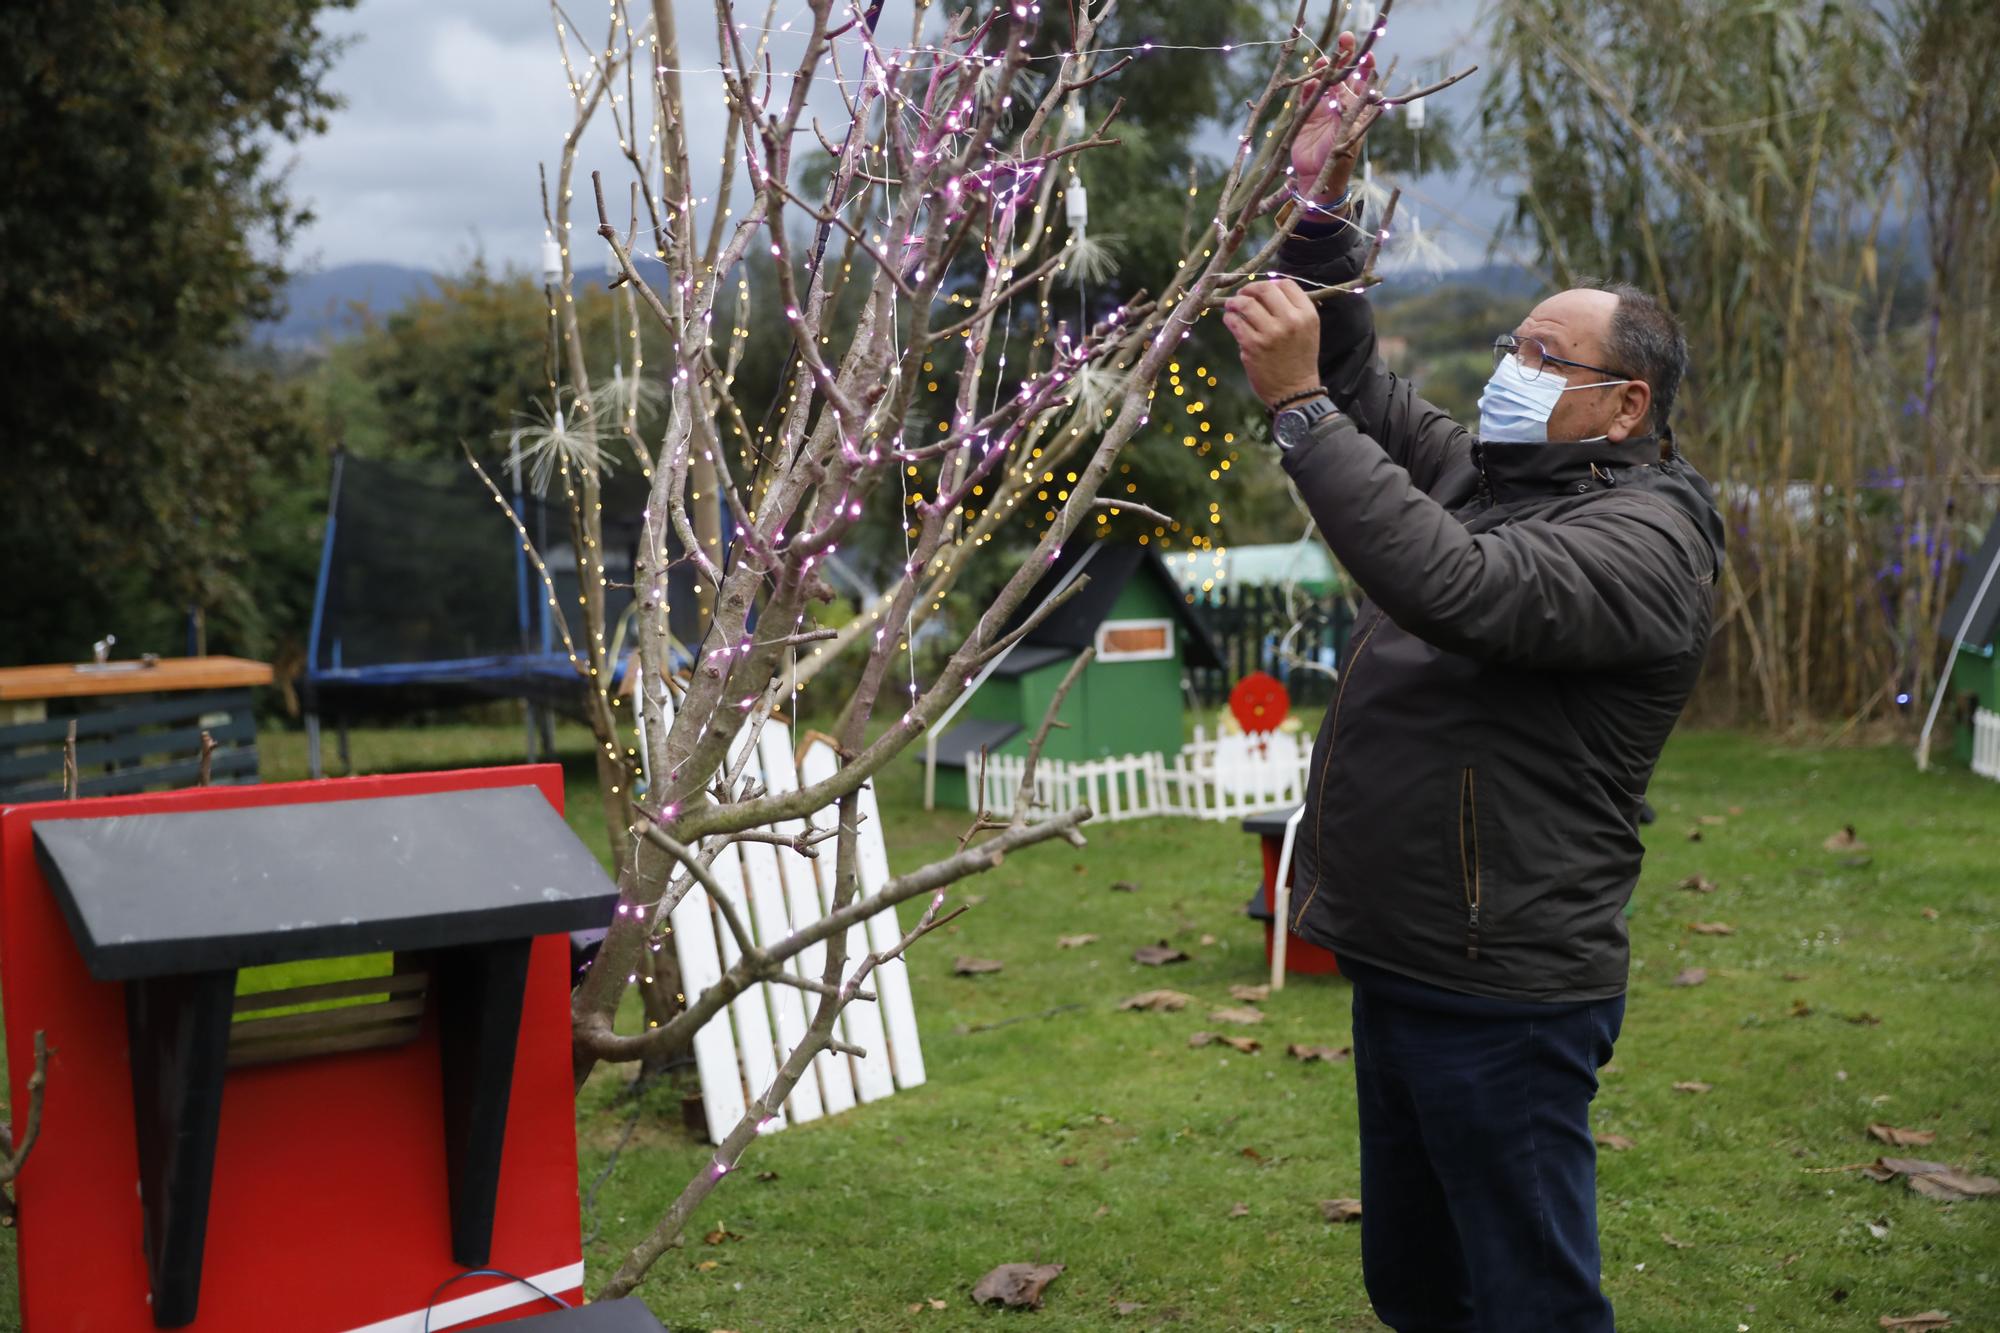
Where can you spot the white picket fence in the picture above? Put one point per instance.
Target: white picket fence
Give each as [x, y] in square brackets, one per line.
[1986, 743]
[1221, 778]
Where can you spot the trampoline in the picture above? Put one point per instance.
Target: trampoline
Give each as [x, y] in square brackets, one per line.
[426, 598]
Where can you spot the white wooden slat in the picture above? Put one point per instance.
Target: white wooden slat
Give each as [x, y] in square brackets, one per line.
[885, 932]
[750, 1011]
[722, 1097]
[770, 917]
[874, 1077]
[780, 774]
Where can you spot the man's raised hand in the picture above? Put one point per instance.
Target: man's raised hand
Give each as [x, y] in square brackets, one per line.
[1339, 119]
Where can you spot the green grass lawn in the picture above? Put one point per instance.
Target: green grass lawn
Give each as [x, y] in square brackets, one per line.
[1079, 1135]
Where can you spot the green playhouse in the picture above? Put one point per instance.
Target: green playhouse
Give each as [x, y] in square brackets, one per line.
[1128, 700]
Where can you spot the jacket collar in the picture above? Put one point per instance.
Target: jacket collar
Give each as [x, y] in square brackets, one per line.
[1518, 471]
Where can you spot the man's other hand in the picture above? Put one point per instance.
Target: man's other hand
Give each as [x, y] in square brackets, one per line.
[1277, 333]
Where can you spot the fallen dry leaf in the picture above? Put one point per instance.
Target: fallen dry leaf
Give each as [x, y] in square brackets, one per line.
[1903, 1137]
[1953, 1186]
[1698, 884]
[1930, 914]
[706, 1266]
[1934, 1180]
[1247, 1045]
[1018, 1286]
[766, 1177]
[1920, 1323]
[1243, 1015]
[1123, 1308]
[937, 1304]
[1250, 994]
[1103, 1210]
[1795, 976]
[1158, 955]
[1340, 1210]
[1711, 928]
[1156, 1001]
[1615, 1142]
[719, 1236]
[1864, 1019]
[1845, 841]
[1074, 941]
[1252, 1154]
[1240, 1210]
[1694, 834]
[1735, 809]
[1800, 1009]
[1208, 939]
[972, 967]
[1692, 1085]
[1123, 886]
[1331, 1055]
[1692, 976]
[1715, 821]
[1677, 1244]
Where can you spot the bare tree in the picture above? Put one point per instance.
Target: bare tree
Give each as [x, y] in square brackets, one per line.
[934, 224]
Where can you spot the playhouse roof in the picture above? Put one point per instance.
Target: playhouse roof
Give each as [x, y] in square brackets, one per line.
[1985, 626]
[1109, 566]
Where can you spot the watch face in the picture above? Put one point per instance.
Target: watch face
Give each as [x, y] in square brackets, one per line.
[1289, 428]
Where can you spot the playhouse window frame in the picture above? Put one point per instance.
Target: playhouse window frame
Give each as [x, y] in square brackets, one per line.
[1106, 653]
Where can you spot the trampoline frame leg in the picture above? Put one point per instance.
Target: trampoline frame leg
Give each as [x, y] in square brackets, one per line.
[313, 766]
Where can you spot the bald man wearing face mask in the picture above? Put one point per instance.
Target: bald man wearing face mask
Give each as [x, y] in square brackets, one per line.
[1540, 597]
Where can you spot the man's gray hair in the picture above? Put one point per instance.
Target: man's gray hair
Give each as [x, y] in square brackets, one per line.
[1646, 342]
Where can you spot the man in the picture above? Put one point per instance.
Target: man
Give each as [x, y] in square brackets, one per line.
[1540, 599]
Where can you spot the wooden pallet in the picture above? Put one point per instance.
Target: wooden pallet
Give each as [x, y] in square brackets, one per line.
[777, 890]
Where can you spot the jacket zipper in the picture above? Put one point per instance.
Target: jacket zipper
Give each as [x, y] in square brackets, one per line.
[1468, 856]
[1332, 733]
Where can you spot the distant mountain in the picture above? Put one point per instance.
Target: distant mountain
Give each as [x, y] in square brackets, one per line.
[1504, 280]
[321, 307]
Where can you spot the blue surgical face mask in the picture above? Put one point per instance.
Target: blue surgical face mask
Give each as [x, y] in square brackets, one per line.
[1515, 407]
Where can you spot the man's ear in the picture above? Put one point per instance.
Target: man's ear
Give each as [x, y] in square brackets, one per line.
[1635, 399]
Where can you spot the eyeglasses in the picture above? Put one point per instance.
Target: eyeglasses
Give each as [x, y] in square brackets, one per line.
[1534, 358]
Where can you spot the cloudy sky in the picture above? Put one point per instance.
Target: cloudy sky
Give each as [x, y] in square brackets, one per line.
[452, 104]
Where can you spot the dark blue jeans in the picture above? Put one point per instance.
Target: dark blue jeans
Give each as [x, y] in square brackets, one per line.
[1478, 1171]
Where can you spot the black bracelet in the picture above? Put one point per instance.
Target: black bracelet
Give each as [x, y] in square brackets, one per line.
[1289, 399]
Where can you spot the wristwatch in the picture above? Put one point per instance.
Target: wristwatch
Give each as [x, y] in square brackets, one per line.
[1291, 426]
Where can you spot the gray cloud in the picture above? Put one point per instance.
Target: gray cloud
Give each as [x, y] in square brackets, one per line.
[452, 104]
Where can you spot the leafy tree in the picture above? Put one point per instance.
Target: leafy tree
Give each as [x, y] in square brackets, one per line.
[142, 225]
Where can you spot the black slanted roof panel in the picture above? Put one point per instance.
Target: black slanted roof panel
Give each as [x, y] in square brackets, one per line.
[1109, 566]
[1028, 657]
[1986, 620]
[155, 895]
[959, 747]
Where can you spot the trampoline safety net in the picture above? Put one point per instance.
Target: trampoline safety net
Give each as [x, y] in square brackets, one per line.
[426, 597]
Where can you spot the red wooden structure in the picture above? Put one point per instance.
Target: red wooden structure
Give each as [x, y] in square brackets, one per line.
[328, 1206]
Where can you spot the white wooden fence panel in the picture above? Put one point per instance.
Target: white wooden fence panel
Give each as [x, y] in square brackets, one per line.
[885, 932]
[750, 1011]
[1221, 778]
[722, 1097]
[1986, 743]
[774, 751]
[874, 1076]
